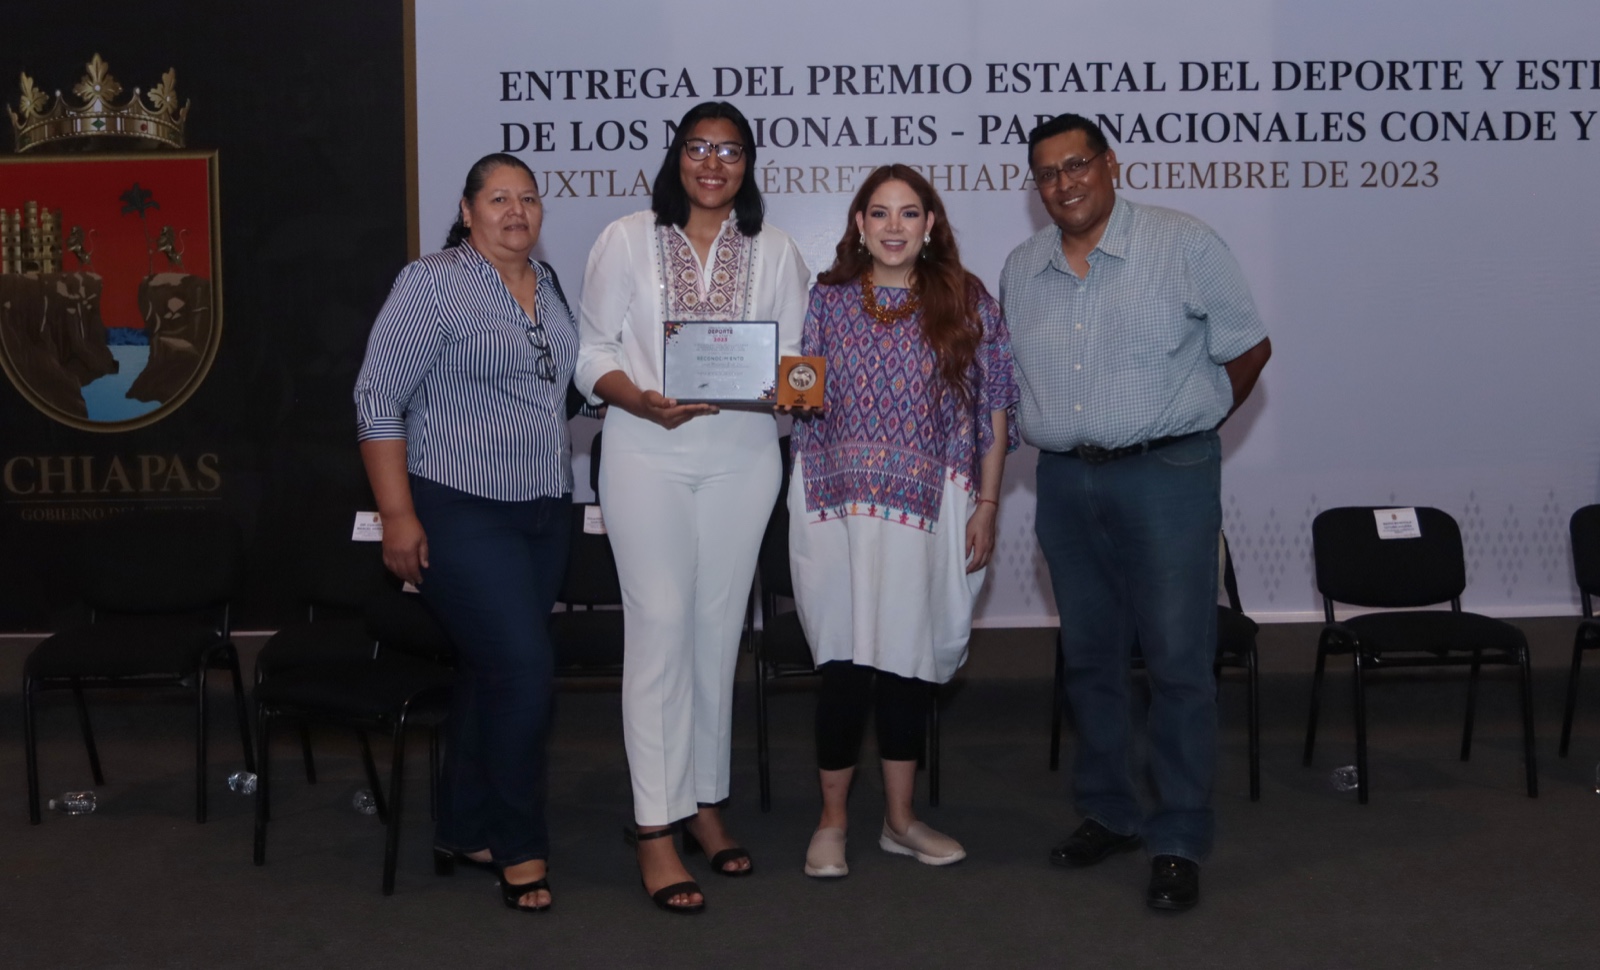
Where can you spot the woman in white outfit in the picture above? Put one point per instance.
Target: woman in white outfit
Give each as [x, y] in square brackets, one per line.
[686, 488]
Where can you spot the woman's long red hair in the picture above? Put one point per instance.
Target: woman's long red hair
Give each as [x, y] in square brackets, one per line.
[949, 294]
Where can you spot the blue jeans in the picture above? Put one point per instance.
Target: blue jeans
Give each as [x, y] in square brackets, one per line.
[494, 569]
[1132, 549]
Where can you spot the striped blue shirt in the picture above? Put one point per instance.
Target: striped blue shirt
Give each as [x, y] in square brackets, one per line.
[453, 368]
[1134, 350]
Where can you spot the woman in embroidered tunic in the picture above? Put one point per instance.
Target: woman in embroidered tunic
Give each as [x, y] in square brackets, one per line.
[686, 489]
[895, 493]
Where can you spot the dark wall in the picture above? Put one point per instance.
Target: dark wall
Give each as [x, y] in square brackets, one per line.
[305, 103]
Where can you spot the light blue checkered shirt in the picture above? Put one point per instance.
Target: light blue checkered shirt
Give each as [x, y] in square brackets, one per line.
[1135, 350]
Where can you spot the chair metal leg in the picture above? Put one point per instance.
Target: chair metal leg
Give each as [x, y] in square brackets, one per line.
[1472, 706]
[88, 732]
[1253, 723]
[372, 777]
[305, 753]
[231, 655]
[763, 753]
[433, 773]
[933, 747]
[200, 744]
[30, 743]
[263, 782]
[1572, 694]
[1316, 703]
[1529, 746]
[1058, 693]
[1359, 695]
[391, 842]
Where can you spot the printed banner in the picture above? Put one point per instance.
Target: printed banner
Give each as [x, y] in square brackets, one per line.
[1406, 186]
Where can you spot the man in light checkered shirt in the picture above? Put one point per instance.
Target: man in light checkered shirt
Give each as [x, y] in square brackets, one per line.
[1135, 336]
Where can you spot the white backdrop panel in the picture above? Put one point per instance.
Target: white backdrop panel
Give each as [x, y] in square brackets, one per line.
[1432, 331]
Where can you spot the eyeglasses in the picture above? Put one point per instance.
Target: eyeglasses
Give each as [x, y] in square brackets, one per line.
[1072, 168]
[544, 365]
[699, 149]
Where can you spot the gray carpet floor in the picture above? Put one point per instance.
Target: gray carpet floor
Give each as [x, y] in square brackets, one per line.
[1451, 865]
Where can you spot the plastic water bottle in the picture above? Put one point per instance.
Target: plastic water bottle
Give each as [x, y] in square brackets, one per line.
[364, 803]
[243, 782]
[1346, 778]
[73, 803]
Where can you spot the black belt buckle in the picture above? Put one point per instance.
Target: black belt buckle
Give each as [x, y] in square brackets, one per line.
[1096, 455]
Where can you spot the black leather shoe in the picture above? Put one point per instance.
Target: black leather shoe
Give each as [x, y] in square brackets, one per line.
[1174, 883]
[1091, 843]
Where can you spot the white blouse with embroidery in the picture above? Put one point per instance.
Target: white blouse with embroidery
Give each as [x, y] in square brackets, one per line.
[640, 276]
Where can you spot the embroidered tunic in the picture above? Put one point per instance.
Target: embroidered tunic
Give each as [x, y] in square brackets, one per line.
[892, 432]
[895, 455]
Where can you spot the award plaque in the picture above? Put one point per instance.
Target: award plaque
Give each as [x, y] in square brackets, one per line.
[801, 381]
[720, 362]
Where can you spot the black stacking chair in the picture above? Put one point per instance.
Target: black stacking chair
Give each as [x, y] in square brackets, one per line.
[1356, 567]
[157, 585]
[587, 631]
[1236, 648]
[337, 577]
[1585, 528]
[780, 646]
[408, 680]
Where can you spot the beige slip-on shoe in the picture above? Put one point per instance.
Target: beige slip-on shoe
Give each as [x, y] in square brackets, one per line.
[825, 855]
[929, 847]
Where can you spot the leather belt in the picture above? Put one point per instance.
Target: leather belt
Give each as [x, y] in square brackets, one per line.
[1099, 456]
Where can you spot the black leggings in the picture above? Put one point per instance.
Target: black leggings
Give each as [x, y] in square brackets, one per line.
[846, 698]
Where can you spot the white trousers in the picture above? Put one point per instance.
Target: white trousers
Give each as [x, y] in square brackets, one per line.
[685, 510]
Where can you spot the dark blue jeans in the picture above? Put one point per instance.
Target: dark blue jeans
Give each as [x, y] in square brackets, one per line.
[1132, 550]
[493, 572]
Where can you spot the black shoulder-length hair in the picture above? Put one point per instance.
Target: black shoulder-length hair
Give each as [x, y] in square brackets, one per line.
[670, 202]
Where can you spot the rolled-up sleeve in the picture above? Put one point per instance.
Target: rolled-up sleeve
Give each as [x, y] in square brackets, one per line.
[401, 350]
[608, 288]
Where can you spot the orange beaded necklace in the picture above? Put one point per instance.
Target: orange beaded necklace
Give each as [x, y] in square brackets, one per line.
[880, 313]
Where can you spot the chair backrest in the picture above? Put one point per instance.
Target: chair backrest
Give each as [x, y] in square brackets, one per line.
[402, 622]
[1230, 582]
[772, 562]
[591, 577]
[1357, 567]
[160, 562]
[1585, 526]
[336, 572]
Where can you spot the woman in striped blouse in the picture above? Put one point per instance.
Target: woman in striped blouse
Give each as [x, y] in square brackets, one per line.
[461, 404]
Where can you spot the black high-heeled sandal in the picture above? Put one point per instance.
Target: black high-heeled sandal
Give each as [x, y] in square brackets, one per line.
[512, 894]
[445, 862]
[663, 897]
[720, 861]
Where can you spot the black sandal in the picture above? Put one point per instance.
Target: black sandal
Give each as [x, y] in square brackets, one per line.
[663, 897]
[719, 862]
[445, 861]
[512, 894]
